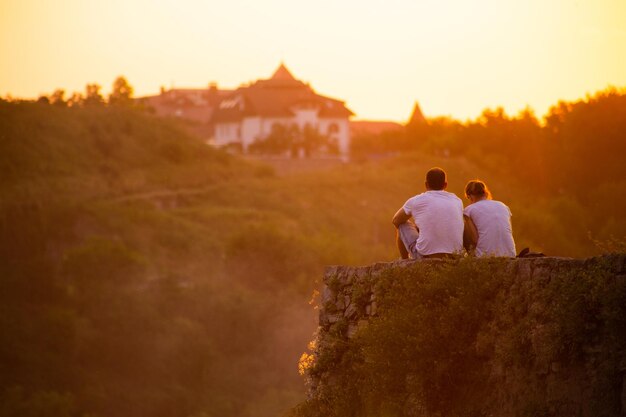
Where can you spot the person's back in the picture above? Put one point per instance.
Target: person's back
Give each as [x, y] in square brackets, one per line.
[437, 227]
[490, 220]
[493, 223]
[439, 216]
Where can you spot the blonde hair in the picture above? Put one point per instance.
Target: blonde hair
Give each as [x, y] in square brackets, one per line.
[477, 188]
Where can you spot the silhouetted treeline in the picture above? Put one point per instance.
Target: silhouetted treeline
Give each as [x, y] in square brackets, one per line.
[121, 95]
[578, 146]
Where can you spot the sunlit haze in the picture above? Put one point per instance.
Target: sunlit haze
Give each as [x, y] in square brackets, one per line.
[455, 57]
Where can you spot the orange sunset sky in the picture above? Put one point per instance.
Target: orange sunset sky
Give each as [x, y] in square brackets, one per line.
[455, 57]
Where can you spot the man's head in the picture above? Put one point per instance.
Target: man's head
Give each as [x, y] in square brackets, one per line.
[436, 179]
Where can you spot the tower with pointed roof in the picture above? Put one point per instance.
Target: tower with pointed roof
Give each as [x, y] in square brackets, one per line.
[417, 126]
[251, 112]
[282, 73]
[417, 117]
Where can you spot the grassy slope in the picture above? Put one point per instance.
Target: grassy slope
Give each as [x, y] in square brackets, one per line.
[98, 151]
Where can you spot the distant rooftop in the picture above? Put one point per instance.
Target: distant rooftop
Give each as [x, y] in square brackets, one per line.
[282, 73]
[277, 97]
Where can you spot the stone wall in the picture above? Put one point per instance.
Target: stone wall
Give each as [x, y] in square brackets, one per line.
[348, 302]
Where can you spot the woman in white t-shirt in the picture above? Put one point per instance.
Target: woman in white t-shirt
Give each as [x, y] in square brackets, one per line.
[488, 222]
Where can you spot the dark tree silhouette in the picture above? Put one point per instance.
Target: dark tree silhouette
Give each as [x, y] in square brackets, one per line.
[93, 97]
[121, 93]
[58, 98]
[291, 139]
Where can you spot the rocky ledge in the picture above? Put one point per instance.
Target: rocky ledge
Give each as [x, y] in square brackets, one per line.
[538, 297]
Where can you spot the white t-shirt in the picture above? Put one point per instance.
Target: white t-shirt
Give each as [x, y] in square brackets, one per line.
[493, 222]
[439, 217]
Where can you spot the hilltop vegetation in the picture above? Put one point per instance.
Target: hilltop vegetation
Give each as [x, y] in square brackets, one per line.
[99, 151]
[147, 274]
[471, 337]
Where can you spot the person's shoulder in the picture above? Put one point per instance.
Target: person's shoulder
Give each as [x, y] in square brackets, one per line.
[495, 205]
[452, 197]
[469, 209]
[413, 200]
[418, 197]
[503, 206]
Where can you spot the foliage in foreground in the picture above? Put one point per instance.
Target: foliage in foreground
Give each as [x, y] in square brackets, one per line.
[473, 339]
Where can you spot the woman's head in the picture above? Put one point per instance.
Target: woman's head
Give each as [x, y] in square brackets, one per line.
[478, 190]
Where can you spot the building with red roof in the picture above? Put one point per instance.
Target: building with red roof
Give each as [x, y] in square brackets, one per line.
[252, 112]
[193, 104]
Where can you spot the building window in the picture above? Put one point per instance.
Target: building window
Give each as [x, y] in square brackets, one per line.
[333, 128]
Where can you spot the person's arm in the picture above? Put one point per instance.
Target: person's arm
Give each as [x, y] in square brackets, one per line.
[400, 217]
[470, 234]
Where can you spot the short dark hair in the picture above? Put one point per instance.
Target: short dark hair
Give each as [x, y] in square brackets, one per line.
[436, 178]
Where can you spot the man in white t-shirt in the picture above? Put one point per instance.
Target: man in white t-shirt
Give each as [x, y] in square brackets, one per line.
[436, 229]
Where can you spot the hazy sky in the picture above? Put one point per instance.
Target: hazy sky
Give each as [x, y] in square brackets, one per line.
[455, 57]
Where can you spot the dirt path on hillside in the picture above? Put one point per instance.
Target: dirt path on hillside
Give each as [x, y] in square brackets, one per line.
[282, 167]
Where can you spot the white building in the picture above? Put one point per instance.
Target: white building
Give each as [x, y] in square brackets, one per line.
[250, 113]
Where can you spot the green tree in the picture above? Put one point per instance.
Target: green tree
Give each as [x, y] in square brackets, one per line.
[58, 98]
[121, 93]
[76, 99]
[312, 141]
[93, 97]
[290, 139]
[280, 140]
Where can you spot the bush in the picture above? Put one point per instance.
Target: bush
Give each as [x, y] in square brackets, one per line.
[480, 337]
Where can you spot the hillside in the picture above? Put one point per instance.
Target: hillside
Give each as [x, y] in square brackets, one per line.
[113, 305]
[100, 151]
[147, 274]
